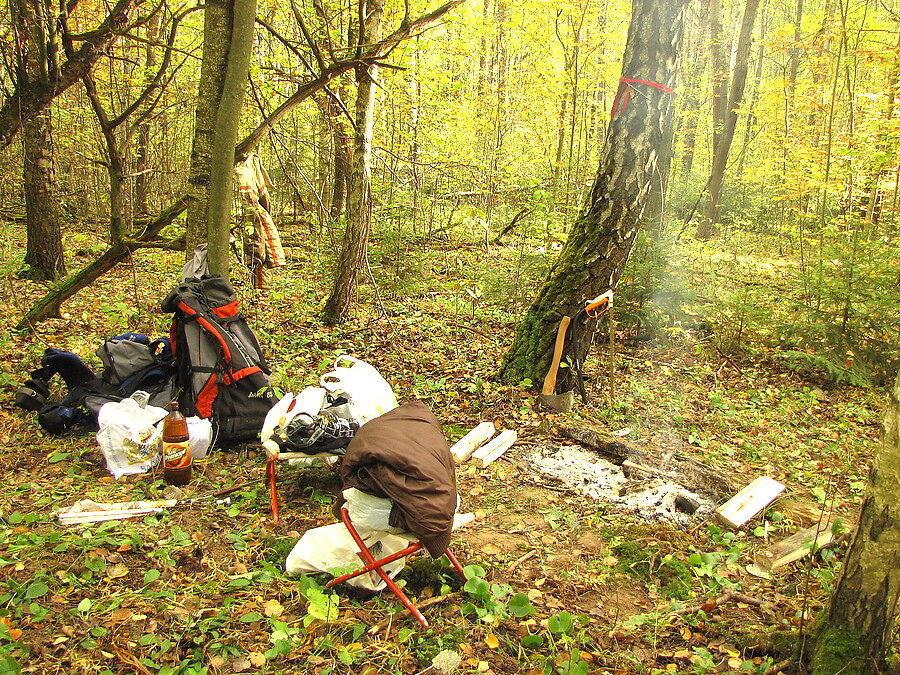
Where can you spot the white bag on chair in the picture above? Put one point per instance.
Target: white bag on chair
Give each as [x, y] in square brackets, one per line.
[368, 393]
[331, 548]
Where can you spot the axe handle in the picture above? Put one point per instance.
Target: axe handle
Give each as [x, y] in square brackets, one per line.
[550, 379]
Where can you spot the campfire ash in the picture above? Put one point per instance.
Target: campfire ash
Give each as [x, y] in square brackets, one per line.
[653, 498]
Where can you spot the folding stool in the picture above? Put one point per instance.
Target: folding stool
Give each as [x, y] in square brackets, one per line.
[373, 565]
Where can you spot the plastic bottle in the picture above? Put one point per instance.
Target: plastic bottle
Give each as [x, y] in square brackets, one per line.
[176, 449]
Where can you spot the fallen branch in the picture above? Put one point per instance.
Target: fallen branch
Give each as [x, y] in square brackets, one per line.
[50, 304]
[780, 667]
[521, 559]
[710, 605]
[424, 604]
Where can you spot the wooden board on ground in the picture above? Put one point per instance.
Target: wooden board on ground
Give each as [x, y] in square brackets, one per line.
[796, 546]
[752, 499]
[488, 453]
[465, 446]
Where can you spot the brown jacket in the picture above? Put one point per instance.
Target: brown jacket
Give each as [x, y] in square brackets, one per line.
[403, 456]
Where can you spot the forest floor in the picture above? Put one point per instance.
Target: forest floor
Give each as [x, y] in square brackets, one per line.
[575, 585]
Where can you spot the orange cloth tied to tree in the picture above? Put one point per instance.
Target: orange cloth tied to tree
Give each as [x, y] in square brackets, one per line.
[253, 184]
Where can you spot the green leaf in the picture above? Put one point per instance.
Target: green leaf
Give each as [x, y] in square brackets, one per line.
[250, 617]
[85, 606]
[321, 606]
[533, 641]
[561, 624]
[57, 457]
[520, 606]
[151, 575]
[36, 590]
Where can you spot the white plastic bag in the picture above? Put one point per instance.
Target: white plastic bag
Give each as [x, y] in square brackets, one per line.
[127, 436]
[331, 549]
[368, 393]
[368, 512]
[200, 433]
[307, 402]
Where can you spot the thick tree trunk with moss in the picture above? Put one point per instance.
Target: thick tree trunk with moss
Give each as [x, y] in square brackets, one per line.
[228, 117]
[601, 238]
[352, 258]
[854, 633]
[216, 41]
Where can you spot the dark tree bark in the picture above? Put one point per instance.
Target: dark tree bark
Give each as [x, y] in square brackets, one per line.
[601, 238]
[44, 250]
[36, 43]
[854, 633]
[352, 258]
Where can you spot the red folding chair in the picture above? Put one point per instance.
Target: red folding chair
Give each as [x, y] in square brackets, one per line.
[373, 565]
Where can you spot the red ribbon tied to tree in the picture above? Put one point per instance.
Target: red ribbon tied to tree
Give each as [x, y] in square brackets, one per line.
[623, 94]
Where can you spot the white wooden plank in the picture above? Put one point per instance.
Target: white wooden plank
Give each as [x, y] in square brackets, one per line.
[465, 446]
[749, 501]
[488, 453]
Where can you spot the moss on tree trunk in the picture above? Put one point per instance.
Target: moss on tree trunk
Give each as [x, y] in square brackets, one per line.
[854, 632]
[601, 238]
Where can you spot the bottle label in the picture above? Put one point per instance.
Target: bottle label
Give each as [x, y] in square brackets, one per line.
[177, 455]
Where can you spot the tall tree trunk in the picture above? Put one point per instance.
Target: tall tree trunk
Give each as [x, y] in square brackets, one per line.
[691, 99]
[602, 237]
[228, 118]
[33, 64]
[44, 249]
[352, 258]
[142, 152]
[722, 148]
[854, 633]
[216, 40]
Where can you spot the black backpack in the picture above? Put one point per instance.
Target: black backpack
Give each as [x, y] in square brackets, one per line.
[131, 362]
[219, 364]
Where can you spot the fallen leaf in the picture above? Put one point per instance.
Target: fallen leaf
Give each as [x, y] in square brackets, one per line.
[610, 561]
[124, 548]
[239, 665]
[117, 571]
[491, 549]
[121, 614]
[257, 659]
[15, 633]
[492, 641]
[735, 663]
[273, 609]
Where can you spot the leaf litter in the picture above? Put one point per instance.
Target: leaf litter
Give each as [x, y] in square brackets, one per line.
[203, 589]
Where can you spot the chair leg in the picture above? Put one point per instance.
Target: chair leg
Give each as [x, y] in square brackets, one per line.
[455, 562]
[273, 487]
[412, 548]
[370, 561]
